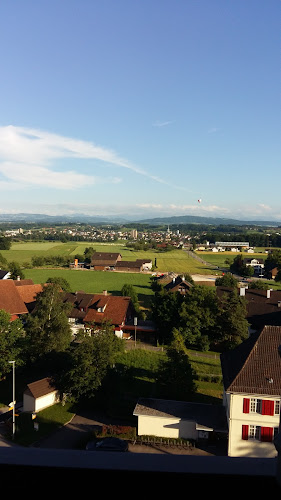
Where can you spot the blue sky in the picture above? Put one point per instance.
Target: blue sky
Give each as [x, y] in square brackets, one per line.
[140, 108]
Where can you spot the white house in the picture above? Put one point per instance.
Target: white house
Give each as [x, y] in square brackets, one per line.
[179, 419]
[252, 389]
[39, 395]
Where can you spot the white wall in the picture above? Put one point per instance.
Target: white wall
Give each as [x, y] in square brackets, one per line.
[250, 447]
[166, 427]
[31, 404]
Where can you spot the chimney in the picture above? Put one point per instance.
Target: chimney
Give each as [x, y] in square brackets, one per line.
[242, 291]
[18, 278]
[104, 292]
[279, 303]
[268, 294]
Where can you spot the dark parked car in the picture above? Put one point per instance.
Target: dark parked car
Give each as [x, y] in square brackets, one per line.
[107, 444]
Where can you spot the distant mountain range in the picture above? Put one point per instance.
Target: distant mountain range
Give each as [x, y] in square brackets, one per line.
[96, 219]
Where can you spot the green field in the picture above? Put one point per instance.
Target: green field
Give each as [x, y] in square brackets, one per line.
[95, 281]
[177, 261]
[218, 259]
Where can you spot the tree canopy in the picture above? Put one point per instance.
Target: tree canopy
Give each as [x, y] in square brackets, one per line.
[47, 327]
[11, 342]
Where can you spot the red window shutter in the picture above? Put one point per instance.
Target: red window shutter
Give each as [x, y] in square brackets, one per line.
[245, 431]
[266, 434]
[246, 405]
[267, 407]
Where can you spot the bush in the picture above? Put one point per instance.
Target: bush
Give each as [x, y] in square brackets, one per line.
[121, 431]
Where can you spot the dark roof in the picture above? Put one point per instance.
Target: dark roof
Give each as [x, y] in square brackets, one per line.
[130, 264]
[206, 416]
[176, 283]
[104, 258]
[261, 310]
[254, 366]
[40, 388]
[3, 274]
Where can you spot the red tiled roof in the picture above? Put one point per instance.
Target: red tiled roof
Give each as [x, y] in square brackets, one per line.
[254, 367]
[23, 282]
[116, 309]
[10, 299]
[28, 292]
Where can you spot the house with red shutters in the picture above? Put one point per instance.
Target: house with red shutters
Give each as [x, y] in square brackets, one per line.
[252, 393]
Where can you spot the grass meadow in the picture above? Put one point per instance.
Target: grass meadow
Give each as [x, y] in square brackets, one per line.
[176, 260]
[218, 259]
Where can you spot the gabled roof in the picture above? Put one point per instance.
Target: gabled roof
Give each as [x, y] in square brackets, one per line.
[115, 309]
[3, 273]
[104, 258]
[205, 415]
[28, 292]
[10, 299]
[40, 388]
[254, 367]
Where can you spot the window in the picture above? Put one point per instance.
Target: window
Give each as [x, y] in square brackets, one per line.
[255, 405]
[277, 408]
[254, 432]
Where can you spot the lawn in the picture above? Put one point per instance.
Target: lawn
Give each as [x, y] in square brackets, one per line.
[95, 281]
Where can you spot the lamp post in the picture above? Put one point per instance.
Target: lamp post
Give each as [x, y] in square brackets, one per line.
[14, 397]
[135, 323]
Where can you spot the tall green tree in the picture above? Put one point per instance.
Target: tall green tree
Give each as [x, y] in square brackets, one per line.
[165, 309]
[12, 336]
[227, 280]
[232, 325]
[5, 243]
[89, 361]
[176, 373]
[198, 316]
[47, 327]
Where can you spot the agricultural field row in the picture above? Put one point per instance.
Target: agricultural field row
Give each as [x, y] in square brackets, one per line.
[176, 260]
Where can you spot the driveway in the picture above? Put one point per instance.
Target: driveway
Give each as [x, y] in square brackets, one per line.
[76, 433]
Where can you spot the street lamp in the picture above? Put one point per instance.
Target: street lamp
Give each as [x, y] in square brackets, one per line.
[135, 323]
[14, 399]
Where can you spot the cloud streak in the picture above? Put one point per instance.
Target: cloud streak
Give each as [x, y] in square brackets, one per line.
[29, 157]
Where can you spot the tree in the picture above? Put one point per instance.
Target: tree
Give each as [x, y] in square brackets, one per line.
[62, 282]
[259, 285]
[11, 342]
[227, 280]
[165, 309]
[129, 291]
[232, 323]
[198, 316]
[5, 243]
[176, 372]
[88, 363]
[15, 270]
[47, 327]
[3, 262]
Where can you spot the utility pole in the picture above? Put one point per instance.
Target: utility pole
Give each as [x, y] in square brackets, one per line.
[14, 399]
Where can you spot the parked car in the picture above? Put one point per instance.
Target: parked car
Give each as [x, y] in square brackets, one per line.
[107, 444]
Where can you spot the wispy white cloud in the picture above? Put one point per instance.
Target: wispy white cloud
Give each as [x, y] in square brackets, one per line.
[162, 124]
[213, 130]
[30, 157]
